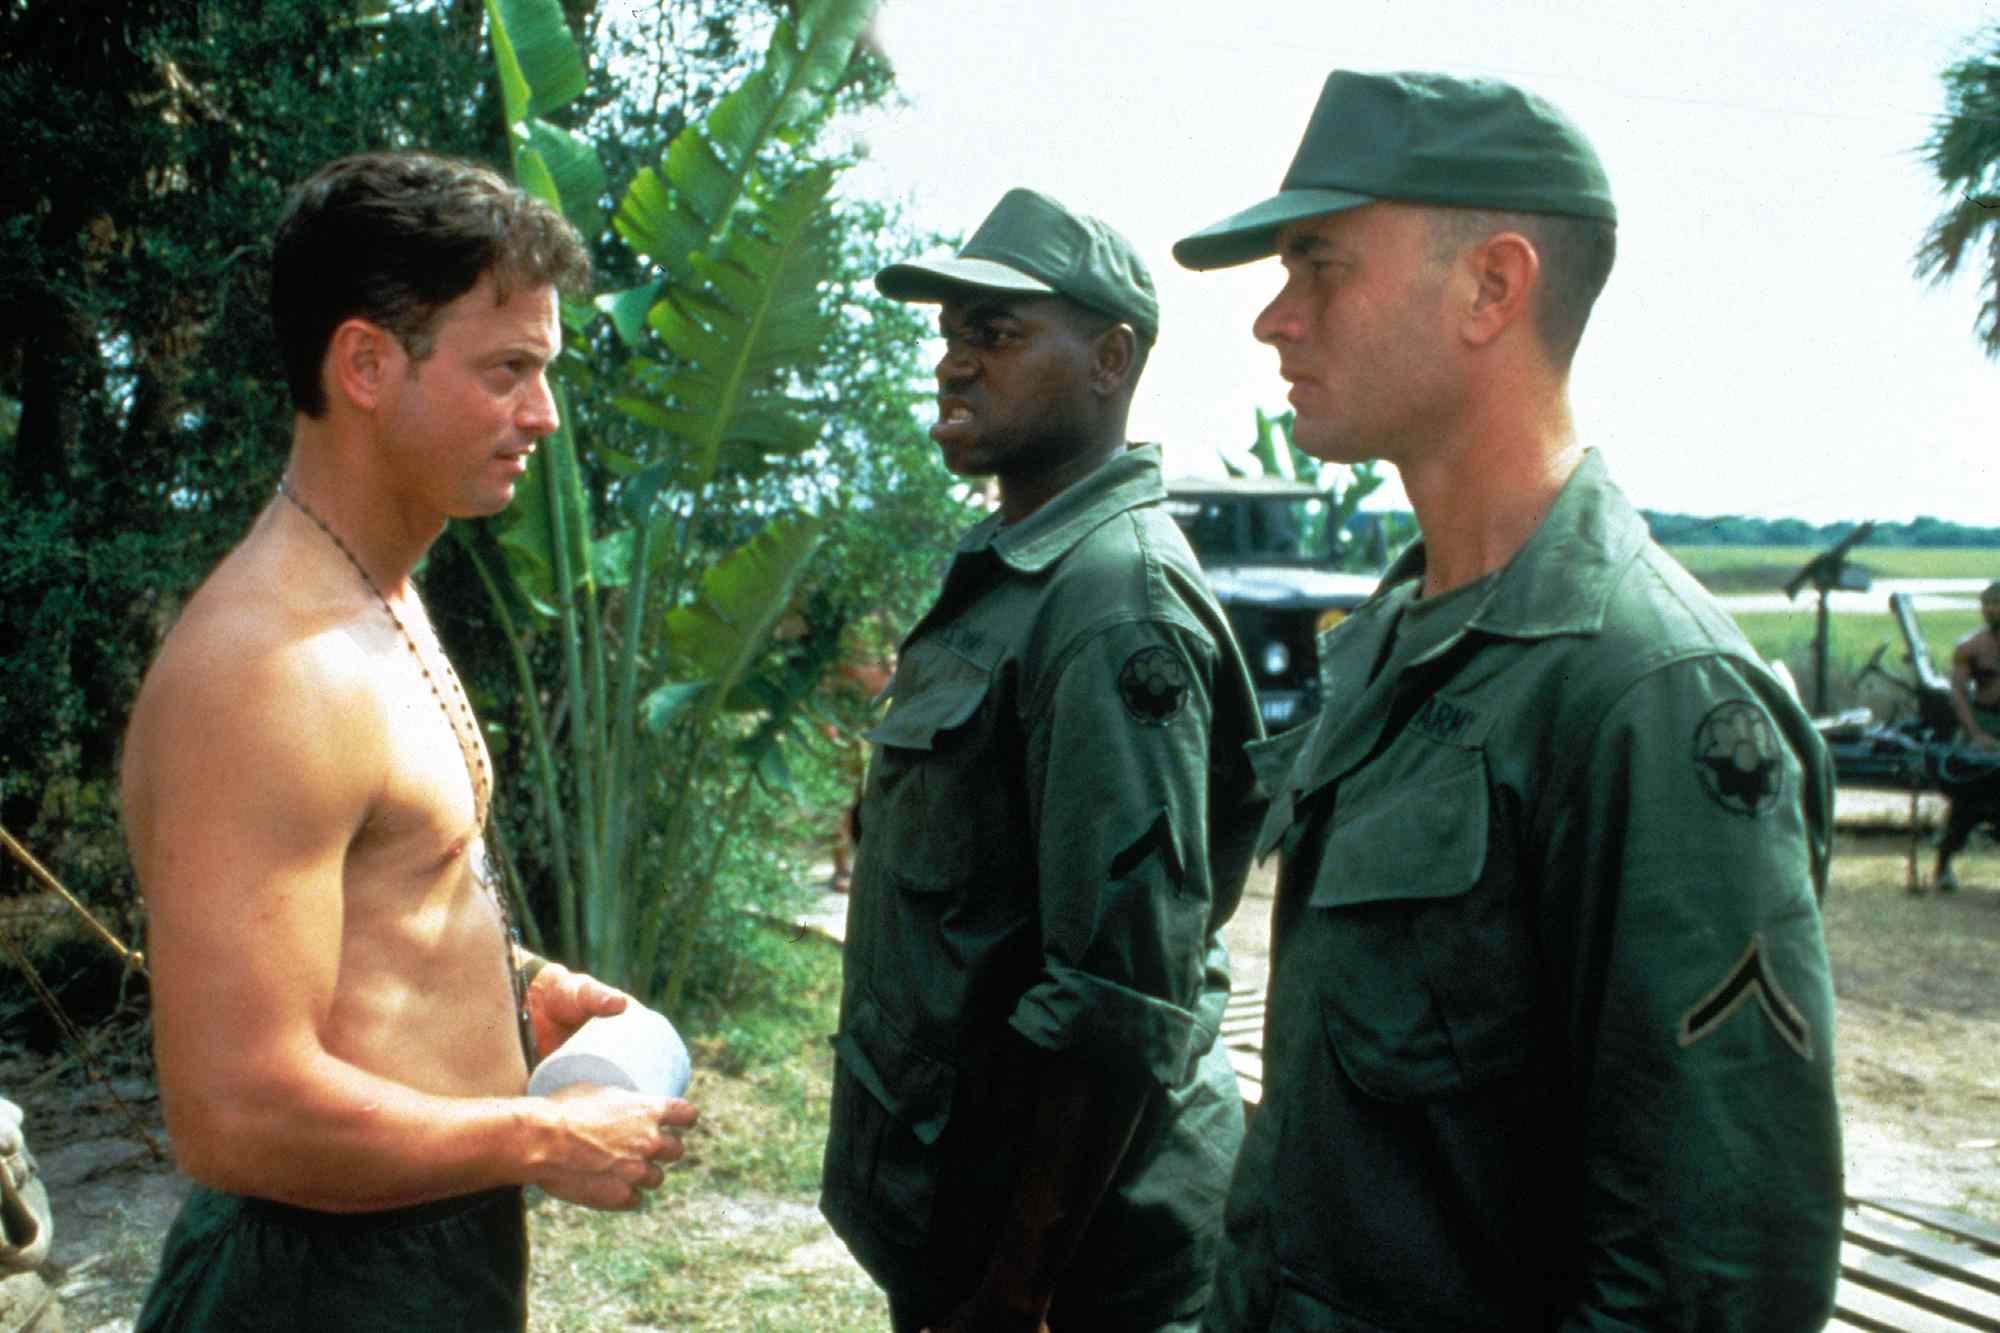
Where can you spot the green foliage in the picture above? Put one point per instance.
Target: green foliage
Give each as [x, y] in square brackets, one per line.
[660, 553]
[1786, 636]
[1963, 151]
[143, 416]
[142, 410]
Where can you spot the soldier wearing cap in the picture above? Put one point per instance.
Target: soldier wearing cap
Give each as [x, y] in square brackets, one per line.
[1549, 1034]
[1032, 1120]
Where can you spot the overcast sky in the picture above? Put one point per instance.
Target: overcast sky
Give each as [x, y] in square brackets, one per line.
[1762, 347]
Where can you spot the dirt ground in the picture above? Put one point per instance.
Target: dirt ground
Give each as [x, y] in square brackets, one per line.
[1917, 979]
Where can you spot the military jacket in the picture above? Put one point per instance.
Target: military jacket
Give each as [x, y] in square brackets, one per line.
[1057, 822]
[1549, 1034]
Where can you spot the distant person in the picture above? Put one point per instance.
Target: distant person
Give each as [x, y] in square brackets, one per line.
[1550, 1027]
[335, 996]
[1033, 1119]
[1975, 698]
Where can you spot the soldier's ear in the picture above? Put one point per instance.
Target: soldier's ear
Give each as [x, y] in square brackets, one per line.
[1504, 270]
[1113, 354]
[361, 358]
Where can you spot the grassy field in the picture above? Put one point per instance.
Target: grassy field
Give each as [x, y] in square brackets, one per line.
[1766, 568]
[1786, 636]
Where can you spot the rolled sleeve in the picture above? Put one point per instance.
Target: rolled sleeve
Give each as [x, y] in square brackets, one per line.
[1118, 770]
[1073, 1010]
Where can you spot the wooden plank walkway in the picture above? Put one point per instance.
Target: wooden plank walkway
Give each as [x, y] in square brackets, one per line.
[1904, 1267]
[1243, 1034]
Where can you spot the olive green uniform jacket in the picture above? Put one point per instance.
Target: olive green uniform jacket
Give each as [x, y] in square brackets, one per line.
[1057, 822]
[1549, 1035]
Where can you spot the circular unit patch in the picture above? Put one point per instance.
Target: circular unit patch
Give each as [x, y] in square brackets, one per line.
[1736, 758]
[1154, 685]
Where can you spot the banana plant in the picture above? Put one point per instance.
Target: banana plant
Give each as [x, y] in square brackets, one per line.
[1345, 486]
[654, 647]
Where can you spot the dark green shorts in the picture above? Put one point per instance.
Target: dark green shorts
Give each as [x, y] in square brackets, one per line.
[233, 1263]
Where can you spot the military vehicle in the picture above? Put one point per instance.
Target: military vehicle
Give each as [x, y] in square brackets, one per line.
[1267, 545]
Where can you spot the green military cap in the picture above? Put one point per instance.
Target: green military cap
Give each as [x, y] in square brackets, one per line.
[1031, 243]
[1423, 139]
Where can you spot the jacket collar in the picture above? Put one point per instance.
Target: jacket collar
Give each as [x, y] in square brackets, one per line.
[1561, 581]
[1127, 480]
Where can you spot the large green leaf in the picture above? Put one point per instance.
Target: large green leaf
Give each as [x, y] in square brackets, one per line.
[719, 634]
[628, 309]
[653, 226]
[773, 428]
[532, 173]
[574, 169]
[537, 58]
[676, 212]
[729, 353]
[660, 709]
[1272, 448]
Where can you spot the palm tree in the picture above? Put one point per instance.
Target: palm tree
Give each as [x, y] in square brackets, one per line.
[1964, 150]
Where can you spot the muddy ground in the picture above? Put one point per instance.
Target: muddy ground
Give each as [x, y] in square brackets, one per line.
[1917, 1058]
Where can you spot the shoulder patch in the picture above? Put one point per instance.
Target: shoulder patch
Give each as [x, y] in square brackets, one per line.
[1154, 685]
[1749, 979]
[1736, 758]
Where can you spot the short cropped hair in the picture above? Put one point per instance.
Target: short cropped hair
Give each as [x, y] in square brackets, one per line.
[395, 237]
[1576, 255]
[1093, 323]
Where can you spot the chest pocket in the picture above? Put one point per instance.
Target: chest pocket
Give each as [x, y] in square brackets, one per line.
[1420, 943]
[933, 773]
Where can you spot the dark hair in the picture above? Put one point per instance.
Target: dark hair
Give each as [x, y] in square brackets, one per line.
[1576, 255]
[1093, 323]
[393, 238]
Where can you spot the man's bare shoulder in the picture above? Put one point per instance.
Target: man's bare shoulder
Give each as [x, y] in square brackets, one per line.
[264, 685]
[1978, 644]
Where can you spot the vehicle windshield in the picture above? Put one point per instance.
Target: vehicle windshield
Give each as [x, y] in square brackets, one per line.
[1281, 529]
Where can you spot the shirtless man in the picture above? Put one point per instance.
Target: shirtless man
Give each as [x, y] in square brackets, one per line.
[1975, 697]
[305, 789]
[1975, 675]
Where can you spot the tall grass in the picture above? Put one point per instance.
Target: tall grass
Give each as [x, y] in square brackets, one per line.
[1786, 636]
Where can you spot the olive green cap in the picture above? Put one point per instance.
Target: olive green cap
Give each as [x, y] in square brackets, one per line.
[1031, 243]
[1423, 139]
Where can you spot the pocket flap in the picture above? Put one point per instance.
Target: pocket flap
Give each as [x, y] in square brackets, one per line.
[1422, 839]
[938, 695]
[915, 1088]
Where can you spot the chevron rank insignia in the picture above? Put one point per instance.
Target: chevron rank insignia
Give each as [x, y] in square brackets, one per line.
[1749, 980]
